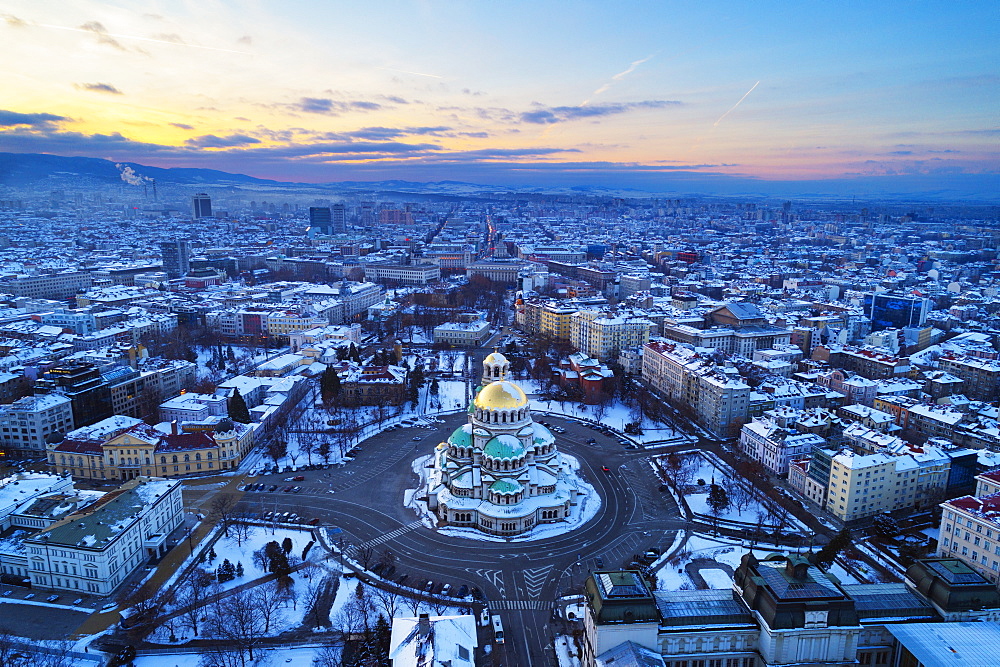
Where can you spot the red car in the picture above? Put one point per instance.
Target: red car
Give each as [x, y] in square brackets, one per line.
[605, 468]
[299, 478]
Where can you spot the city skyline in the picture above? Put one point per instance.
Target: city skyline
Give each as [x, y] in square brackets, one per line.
[631, 95]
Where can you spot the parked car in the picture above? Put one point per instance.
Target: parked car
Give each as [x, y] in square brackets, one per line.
[299, 478]
[77, 601]
[52, 598]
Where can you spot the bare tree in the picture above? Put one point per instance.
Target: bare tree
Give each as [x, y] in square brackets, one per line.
[740, 494]
[389, 599]
[222, 510]
[269, 598]
[330, 655]
[241, 529]
[237, 620]
[192, 597]
[312, 593]
[365, 555]
[413, 603]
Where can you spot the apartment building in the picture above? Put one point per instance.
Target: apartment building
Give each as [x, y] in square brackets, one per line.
[981, 376]
[970, 528]
[717, 397]
[555, 320]
[604, 335]
[864, 485]
[27, 422]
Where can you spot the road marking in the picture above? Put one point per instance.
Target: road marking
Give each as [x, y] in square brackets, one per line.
[495, 577]
[513, 605]
[535, 579]
[386, 537]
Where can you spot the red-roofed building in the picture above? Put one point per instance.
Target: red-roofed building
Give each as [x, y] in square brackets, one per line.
[144, 450]
[970, 527]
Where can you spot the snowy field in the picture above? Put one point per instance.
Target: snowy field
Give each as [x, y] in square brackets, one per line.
[238, 550]
[672, 576]
[304, 656]
[757, 511]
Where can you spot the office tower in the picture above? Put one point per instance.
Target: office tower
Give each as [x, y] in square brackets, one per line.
[176, 257]
[338, 223]
[201, 205]
[896, 311]
[319, 219]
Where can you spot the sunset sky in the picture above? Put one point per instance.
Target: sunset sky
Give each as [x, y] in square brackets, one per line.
[499, 92]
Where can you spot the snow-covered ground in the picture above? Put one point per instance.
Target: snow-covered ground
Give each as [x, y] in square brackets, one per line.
[237, 551]
[615, 415]
[757, 511]
[586, 508]
[716, 577]
[672, 576]
[303, 656]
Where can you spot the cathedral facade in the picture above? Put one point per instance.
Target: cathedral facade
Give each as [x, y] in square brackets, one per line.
[501, 473]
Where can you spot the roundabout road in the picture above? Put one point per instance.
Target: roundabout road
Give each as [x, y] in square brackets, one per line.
[520, 578]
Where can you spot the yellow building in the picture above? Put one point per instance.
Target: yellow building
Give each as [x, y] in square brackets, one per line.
[143, 450]
[554, 320]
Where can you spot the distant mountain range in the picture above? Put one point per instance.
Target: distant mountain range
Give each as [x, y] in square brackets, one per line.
[27, 169]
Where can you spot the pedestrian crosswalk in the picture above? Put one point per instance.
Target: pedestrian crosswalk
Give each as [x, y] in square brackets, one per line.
[387, 537]
[514, 605]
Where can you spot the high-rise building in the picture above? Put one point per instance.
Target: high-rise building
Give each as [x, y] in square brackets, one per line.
[201, 206]
[319, 219]
[338, 221]
[176, 257]
[896, 311]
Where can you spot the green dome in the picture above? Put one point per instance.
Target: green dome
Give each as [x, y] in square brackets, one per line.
[462, 437]
[504, 447]
[505, 486]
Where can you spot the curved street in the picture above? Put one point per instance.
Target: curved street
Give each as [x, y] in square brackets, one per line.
[519, 578]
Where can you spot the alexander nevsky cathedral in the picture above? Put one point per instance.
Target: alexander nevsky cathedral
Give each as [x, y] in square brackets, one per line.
[501, 473]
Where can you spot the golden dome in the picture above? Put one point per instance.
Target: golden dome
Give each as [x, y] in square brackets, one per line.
[501, 395]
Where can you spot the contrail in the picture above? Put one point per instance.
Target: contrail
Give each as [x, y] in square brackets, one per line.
[141, 39]
[716, 124]
[617, 77]
[403, 71]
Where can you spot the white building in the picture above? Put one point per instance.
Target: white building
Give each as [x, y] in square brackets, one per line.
[774, 446]
[501, 473]
[25, 423]
[970, 527]
[462, 334]
[84, 541]
[94, 551]
[603, 336]
[433, 641]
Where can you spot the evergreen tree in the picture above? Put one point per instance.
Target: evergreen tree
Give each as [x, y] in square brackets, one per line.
[211, 554]
[239, 569]
[355, 354]
[718, 499]
[825, 556]
[230, 354]
[329, 384]
[434, 387]
[286, 545]
[238, 410]
[382, 639]
[226, 572]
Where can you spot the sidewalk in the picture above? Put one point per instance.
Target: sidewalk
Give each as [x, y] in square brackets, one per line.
[99, 622]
